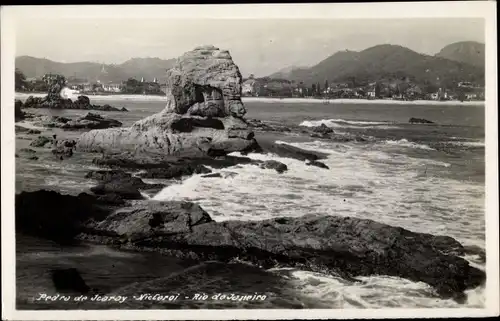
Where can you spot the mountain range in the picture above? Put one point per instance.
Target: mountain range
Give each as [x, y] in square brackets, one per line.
[455, 62]
[149, 68]
[469, 52]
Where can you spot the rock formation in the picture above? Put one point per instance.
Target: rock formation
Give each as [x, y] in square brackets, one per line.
[203, 115]
[343, 246]
[419, 121]
[54, 99]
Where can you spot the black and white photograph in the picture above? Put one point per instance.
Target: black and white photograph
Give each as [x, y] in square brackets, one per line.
[302, 158]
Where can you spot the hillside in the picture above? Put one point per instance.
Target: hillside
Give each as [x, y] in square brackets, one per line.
[469, 52]
[148, 68]
[387, 63]
[286, 72]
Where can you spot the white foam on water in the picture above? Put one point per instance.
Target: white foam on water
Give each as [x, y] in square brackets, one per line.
[363, 181]
[343, 123]
[375, 292]
[405, 143]
[467, 144]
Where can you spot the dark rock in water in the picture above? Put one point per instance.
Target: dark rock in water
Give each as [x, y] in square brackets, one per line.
[27, 150]
[33, 132]
[267, 127]
[91, 121]
[69, 280]
[61, 119]
[27, 153]
[41, 141]
[125, 187]
[322, 129]
[123, 109]
[289, 151]
[62, 151]
[53, 100]
[420, 121]
[110, 199]
[212, 175]
[317, 164]
[220, 175]
[272, 164]
[21, 129]
[18, 113]
[64, 147]
[175, 171]
[54, 216]
[161, 161]
[107, 175]
[83, 100]
[338, 245]
[320, 135]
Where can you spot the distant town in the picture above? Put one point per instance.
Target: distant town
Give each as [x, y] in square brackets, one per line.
[402, 89]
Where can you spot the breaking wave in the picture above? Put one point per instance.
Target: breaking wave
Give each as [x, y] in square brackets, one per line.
[343, 123]
[405, 143]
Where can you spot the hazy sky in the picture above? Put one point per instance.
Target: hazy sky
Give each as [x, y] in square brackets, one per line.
[257, 46]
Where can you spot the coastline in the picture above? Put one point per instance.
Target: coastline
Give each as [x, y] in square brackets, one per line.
[21, 95]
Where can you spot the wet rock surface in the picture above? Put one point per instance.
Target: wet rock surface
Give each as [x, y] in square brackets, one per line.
[89, 121]
[420, 121]
[343, 246]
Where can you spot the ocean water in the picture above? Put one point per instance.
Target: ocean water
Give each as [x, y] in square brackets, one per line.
[426, 178]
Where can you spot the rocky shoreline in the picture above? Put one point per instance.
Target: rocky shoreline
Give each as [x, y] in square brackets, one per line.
[202, 124]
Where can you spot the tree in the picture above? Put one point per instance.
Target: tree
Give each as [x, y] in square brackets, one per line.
[313, 89]
[20, 80]
[377, 90]
[326, 85]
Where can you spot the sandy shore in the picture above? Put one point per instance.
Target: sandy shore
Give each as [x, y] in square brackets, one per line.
[275, 100]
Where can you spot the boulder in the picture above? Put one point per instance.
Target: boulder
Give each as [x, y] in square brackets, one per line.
[90, 121]
[322, 129]
[420, 121]
[107, 175]
[125, 187]
[63, 147]
[33, 132]
[21, 129]
[54, 100]
[342, 246]
[289, 151]
[18, 113]
[202, 115]
[175, 171]
[272, 164]
[317, 164]
[41, 141]
[220, 175]
[55, 216]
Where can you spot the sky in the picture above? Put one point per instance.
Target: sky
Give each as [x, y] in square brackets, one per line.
[258, 46]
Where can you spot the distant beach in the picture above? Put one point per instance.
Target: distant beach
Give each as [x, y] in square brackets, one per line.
[22, 96]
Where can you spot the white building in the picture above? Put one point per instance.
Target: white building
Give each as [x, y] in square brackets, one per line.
[112, 87]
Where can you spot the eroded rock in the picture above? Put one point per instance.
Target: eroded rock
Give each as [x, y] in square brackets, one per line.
[202, 116]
